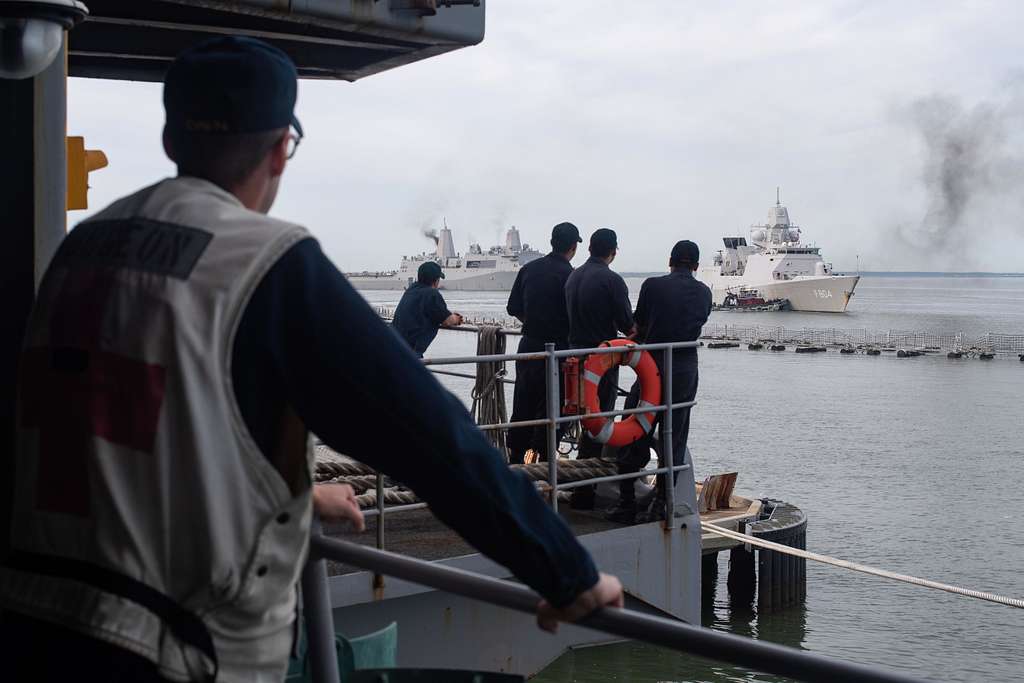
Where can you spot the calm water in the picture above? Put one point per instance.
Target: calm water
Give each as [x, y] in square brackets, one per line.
[914, 465]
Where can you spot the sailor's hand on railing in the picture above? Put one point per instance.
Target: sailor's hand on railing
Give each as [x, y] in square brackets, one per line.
[336, 503]
[607, 592]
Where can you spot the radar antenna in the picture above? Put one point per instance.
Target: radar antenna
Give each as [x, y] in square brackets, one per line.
[777, 200]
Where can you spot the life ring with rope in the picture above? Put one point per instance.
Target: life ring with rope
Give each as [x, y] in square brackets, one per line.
[635, 426]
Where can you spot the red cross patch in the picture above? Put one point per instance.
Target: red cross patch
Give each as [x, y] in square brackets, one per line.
[74, 393]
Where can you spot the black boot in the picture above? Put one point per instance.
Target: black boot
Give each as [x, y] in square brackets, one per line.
[655, 512]
[623, 513]
[582, 498]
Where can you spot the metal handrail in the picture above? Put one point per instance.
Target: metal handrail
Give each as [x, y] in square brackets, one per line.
[625, 411]
[621, 477]
[543, 421]
[551, 356]
[564, 353]
[676, 635]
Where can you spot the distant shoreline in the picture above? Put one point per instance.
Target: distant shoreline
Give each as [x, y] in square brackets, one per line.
[925, 273]
[881, 273]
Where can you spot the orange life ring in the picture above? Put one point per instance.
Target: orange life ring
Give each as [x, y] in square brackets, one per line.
[633, 427]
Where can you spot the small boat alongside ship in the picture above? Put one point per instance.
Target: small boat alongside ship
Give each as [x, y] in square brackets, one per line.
[745, 299]
[477, 270]
[776, 266]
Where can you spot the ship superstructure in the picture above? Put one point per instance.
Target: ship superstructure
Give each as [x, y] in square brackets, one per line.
[492, 270]
[777, 266]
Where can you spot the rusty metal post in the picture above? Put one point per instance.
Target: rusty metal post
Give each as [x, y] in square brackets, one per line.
[668, 458]
[380, 511]
[551, 383]
[378, 579]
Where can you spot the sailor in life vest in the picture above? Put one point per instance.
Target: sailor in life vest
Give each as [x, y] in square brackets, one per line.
[182, 347]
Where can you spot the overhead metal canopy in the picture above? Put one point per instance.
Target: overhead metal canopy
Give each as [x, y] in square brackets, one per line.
[337, 39]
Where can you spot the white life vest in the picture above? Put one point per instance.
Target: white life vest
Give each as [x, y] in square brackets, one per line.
[132, 453]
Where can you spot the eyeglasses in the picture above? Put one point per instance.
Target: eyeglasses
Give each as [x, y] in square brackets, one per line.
[293, 142]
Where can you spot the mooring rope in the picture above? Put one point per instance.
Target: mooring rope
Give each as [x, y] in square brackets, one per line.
[400, 496]
[360, 482]
[331, 468]
[393, 496]
[857, 567]
[489, 391]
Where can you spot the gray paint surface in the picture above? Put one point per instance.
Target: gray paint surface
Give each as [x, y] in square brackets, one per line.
[329, 39]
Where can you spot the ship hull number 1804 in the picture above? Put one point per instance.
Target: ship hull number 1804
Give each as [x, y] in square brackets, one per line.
[823, 293]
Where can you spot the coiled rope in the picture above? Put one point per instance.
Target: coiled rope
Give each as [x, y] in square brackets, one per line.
[857, 567]
[330, 467]
[489, 391]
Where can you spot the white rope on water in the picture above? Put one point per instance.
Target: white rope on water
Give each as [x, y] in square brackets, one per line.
[857, 567]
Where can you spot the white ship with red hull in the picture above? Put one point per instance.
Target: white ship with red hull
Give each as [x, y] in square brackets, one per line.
[778, 267]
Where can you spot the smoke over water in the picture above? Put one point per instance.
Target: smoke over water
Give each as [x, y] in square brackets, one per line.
[973, 167]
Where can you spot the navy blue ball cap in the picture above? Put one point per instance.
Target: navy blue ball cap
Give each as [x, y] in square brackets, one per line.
[565, 232]
[429, 270]
[229, 85]
[685, 251]
[604, 238]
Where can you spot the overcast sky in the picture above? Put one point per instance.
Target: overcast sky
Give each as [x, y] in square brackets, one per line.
[663, 120]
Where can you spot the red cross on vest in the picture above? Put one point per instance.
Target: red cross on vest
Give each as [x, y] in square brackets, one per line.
[74, 393]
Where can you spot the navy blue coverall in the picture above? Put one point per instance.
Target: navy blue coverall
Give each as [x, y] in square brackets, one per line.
[419, 314]
[538, 299]
[599, 308]
[671, 308]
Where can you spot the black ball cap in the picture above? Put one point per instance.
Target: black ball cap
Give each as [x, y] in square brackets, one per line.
[429, 270]
[230, 85]
[604, 238]
[565, 232]
[685, 251]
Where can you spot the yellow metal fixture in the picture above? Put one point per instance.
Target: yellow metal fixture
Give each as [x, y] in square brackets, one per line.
[81, 162]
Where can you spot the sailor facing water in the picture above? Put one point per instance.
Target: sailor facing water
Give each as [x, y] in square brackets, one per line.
[671, 308]
[538, 299]
[181, 346]
[599, 308]
[422, 311]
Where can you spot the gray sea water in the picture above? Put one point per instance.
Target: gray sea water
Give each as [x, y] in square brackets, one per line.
[913, 465]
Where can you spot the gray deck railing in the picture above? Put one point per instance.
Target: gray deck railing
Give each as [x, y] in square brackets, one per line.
[554, 419]
[624, 623]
